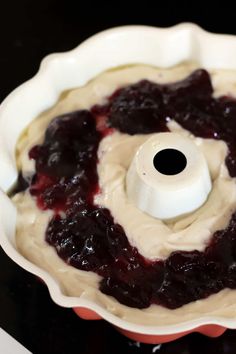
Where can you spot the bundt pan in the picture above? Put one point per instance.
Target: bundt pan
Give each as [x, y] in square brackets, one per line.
[59, 72]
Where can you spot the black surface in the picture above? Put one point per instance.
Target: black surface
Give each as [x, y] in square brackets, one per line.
[169, 161]
[29, 31]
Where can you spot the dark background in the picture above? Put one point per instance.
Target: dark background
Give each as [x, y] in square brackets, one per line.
[31, 29]
[28, 31]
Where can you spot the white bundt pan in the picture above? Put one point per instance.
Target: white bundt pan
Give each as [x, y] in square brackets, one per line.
[59, 72]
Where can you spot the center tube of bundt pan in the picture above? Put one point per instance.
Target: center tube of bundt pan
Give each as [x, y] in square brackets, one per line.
[168, 176]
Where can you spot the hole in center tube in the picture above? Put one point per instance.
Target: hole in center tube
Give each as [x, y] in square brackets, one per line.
[169, 161]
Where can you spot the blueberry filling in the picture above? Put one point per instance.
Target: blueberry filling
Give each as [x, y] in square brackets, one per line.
[87, 237]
